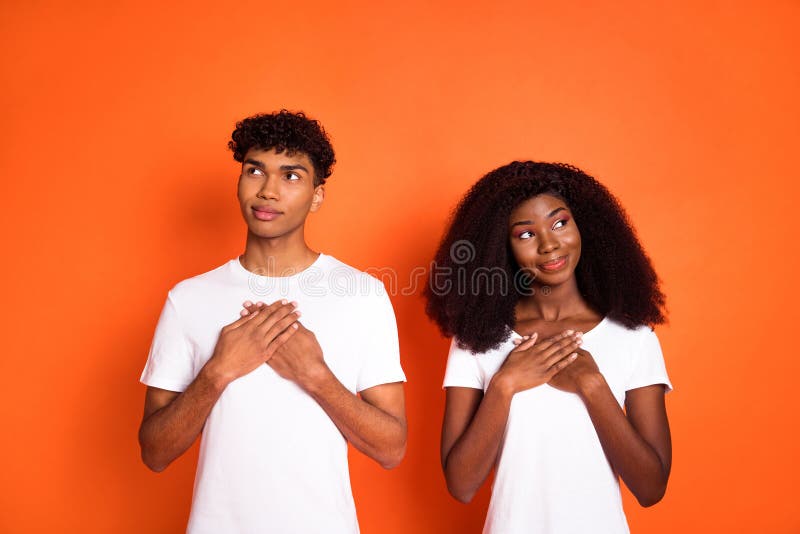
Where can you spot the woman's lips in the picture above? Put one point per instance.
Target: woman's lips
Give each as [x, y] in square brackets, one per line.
[266, 214]
[553, 265]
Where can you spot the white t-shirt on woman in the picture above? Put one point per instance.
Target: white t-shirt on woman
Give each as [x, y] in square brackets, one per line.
[552, 476]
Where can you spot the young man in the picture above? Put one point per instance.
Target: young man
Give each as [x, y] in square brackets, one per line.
[275, 397]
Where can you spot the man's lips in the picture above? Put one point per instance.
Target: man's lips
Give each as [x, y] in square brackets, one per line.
[264, 213]
[553, 265]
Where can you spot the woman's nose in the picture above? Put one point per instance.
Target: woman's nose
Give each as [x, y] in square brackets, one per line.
[547, 244]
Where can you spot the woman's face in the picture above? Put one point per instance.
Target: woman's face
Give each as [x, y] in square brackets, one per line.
[545, 240]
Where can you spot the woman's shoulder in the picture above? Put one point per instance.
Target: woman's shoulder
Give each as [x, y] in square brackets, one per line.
[613, 333]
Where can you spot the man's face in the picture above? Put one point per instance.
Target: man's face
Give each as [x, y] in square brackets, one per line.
[276, 192]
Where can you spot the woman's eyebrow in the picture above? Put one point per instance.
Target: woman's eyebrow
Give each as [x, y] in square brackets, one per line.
[520, 223]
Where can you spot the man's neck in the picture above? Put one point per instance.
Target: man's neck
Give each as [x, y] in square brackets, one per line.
[283, 256]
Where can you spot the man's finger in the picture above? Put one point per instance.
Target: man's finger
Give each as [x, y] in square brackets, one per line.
[270, 318]
[276, 343]
[281, 325]
[240, 321]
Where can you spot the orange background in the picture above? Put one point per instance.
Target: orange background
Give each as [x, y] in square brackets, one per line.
[116, 184]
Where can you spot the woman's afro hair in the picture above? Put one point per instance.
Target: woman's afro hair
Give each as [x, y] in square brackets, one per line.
[614, 274]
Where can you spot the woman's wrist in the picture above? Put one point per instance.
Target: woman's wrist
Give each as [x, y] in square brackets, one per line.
[502, 384]
[590, 384]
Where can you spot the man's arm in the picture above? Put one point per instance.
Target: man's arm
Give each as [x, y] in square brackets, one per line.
[172, 421]
[375, 423]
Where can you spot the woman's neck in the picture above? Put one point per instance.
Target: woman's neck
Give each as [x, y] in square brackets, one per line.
[553, 303]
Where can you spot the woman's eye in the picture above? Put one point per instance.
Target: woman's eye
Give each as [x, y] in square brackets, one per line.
[560, 224]
[527, 234]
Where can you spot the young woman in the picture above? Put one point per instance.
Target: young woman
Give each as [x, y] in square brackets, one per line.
[550, 300]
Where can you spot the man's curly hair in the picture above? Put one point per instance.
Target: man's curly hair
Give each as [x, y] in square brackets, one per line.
[285, 131]
[614, 274]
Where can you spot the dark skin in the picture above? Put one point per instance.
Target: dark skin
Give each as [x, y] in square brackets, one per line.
[276, 193]
[545, 240]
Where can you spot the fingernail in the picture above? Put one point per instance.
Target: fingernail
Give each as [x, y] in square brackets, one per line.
[297, 312]
[248, 303]
[294, 304]
[259, 304]
[569, 332]
[284, 301]
[573, 355]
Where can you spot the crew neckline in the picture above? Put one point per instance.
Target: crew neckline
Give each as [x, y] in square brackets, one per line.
[316, 264]
[589, 332]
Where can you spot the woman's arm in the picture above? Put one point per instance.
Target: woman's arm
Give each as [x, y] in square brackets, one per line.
[638, 445]
[471, 432]
[474, 422]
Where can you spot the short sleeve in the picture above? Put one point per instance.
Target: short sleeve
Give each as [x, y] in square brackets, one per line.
[381, 348]
[170, 363]
[462, 369]
[648, 366]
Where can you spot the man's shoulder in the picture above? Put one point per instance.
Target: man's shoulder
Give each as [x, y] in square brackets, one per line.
[203, 282]
[368, 282]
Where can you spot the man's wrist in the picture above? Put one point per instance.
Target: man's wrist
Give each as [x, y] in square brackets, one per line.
[316, 379]
[214, 376]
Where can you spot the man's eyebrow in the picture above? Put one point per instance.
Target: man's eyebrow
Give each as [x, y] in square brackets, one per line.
[254, 163]
[520, 223]
[293, 168]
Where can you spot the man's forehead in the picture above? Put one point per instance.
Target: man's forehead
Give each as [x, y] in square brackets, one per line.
[271, 156]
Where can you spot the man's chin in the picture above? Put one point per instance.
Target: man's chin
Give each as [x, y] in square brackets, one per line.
[267, 231]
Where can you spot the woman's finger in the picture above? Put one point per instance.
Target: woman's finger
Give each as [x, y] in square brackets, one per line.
[561, 350]
[560, 364]
[528, 343]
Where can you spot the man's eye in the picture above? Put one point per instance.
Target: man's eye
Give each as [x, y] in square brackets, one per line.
[255, 170]
[293, 176]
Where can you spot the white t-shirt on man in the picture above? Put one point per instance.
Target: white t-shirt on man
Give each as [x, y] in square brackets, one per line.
[551, 475]
[271, 460]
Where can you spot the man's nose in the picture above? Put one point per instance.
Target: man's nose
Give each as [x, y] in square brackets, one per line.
[269, 188]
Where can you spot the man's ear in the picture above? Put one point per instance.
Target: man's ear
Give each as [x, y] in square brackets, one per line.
[319, 197]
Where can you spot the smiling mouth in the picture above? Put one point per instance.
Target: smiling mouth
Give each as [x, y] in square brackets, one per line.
[268, 214]
[554, 265]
